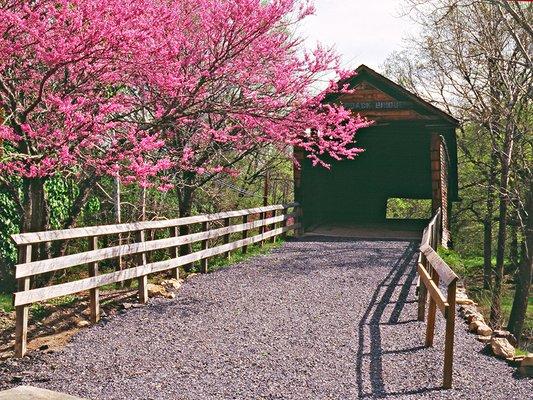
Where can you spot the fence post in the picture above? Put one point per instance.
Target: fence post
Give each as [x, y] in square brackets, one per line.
[272, 227]
[432, 311]
[450, 330]
[142, 280]
[297, 220]
[422, 294]
[205, 245]
[94, 294]
[244, 233]
[175, 252]
[284, 222]
[226, 237]
[22, 312]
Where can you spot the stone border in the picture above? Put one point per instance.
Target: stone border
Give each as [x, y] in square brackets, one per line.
[502, 343]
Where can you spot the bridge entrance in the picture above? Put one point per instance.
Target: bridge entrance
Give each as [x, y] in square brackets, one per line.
[410, 153]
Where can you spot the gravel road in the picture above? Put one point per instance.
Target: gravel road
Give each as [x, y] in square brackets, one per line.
[318, 318]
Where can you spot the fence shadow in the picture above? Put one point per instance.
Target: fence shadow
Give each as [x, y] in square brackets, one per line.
[374, 318]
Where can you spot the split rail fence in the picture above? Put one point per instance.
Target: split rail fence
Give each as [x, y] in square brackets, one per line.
[433, 272]
[264, 219]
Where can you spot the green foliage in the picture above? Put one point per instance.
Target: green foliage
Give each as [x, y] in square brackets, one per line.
[408, 208]
[463, 266]
[6, 302]
[9, 224]
[60, 193]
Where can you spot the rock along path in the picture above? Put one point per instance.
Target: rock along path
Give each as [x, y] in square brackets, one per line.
[318, 318]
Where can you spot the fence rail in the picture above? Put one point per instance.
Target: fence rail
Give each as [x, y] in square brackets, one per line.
[27, 268]
[433, 272]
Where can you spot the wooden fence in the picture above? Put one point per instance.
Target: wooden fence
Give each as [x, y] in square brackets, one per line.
[433, 271]
[264, 219]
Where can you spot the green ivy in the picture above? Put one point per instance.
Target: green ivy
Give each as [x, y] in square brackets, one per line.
[9, 224]
[60, 193]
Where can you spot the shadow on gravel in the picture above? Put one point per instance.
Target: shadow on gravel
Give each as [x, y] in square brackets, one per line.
[374, 385]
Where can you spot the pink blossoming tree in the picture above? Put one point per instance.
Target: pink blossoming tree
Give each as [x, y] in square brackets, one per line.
[229, 77]
[174, 90]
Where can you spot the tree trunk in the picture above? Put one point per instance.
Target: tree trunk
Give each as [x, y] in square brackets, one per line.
[487, 226]
[35, 217]
[525, 273]
[495, 308]
[185, 198]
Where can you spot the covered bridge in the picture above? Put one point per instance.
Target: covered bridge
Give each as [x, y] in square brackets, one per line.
[411, 153]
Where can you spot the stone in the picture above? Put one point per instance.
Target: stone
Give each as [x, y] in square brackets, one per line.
[527, 361]
[465, 301]
[484, 330]
[172, 283]
[33, 393]
[502, 348]
[501, 333]
[191, 275]
[483, 339]
[82, 323]
[526, 371]
[159, 291]
[475, 317]
[474, 326]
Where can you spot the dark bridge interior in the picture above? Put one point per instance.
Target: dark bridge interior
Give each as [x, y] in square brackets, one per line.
[396, 162]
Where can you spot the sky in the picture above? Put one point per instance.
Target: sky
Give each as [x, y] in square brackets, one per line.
[362, 31]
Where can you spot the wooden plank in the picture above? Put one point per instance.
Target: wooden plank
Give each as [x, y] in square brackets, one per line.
[62, 234]
[449, 336]
[94, 294]
[54, 264]
[433, 290]
[21, 310]
[46, 293]
[446, 274]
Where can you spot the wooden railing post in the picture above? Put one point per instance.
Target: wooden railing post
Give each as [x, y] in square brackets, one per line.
[22, 312]
[298, 216]
[450, 330]
[284, 222]
[432, 312]
[94, 294]
[226, 237]
[422, 294]
[142, 280]
[175, 252]
[244, 233]
[205, 245]
[272, 227]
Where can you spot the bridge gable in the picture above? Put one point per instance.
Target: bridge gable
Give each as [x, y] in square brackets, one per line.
[380, 99]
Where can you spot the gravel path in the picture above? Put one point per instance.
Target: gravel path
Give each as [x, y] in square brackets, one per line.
[317, 318]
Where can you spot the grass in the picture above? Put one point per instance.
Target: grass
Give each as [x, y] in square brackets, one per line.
[470, 269]
[6, 302]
